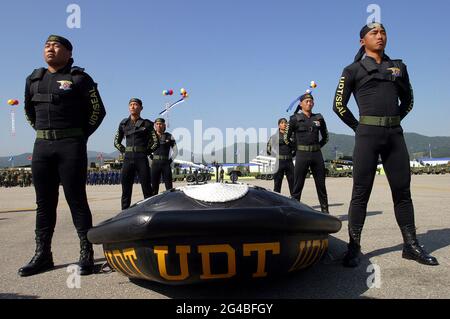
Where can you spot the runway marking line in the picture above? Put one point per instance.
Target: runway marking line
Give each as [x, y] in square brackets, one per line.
[20, 210]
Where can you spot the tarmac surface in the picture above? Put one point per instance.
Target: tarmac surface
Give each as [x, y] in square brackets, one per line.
[381, 244]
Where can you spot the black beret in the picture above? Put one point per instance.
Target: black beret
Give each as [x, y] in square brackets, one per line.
[368, 27]
[306, 96]
[138, 101]
[62, 40]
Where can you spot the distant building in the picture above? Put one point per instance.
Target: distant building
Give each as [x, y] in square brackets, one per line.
[433, 161]
[415, 163]
[263, 164]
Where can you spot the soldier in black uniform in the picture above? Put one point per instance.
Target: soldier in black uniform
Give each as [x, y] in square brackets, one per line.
[306, 126]
[162, 159]
[141, 140]
[284, 154]
[63, 105]
[378, 84]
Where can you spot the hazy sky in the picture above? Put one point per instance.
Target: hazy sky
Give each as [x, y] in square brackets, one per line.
[242, 61]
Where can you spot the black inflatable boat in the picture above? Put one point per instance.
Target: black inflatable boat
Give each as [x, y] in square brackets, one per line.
[213, 232]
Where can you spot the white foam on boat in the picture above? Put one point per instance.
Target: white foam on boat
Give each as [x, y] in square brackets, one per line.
[215, 193]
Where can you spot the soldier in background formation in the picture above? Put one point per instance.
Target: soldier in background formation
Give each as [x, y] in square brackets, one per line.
[163, 157]
[15, 178]
[104, 177]
[284, 154]
[108, 177]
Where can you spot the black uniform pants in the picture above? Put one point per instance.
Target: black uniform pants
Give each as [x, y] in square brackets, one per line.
[132, 165]
[389, 143]
[161, 168]
[62, 161]
[314, 161]
[285, 167]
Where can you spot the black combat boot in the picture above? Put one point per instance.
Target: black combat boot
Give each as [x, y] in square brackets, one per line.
[42, 259]
[86, 262]
[412, 250]
[352, 258]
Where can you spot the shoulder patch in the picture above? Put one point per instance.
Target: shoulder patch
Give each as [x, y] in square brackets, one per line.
[398, 63]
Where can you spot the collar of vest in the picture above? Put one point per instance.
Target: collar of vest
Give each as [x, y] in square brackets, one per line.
[38, 74]
[128, 119]
[302, 117]
[370, 65]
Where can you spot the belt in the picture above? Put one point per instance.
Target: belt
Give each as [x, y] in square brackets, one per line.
[59, 134]
[308, 148]
[285, 157]
[384, 121]
[160, 158]
[135, 149]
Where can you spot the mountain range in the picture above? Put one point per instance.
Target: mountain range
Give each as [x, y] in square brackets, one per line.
[339, 145]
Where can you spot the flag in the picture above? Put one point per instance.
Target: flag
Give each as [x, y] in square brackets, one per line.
[171, 106]
[30, 158]
[291, 106]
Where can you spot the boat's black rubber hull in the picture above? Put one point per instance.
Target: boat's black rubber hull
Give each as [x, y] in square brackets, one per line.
[180, 260]
[175, 239]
